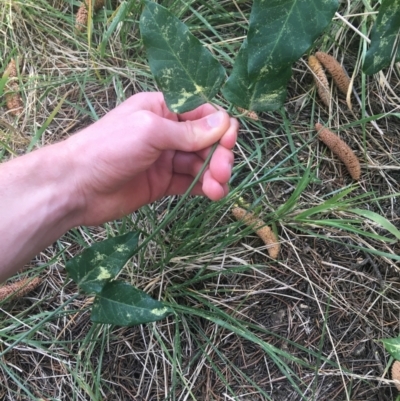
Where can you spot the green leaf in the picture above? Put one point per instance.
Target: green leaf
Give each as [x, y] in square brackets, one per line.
[331, 204]
[184, 70]
[378, 219]
[265, 94]
[280, 32]
[291, 203]
[100, 263]
[124, 305]
[385, 38]
[350, 226]
[392, 346]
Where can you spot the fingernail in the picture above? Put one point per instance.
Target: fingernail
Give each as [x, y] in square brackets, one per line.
[214, 120]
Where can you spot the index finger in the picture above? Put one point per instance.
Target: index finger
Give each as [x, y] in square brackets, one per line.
[150, 101]
[200, 112]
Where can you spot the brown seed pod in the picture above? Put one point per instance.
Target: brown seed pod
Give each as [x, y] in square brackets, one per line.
[263, 231]
[320, 80]
[14, 102]
[338, 73]
[250, 114]
[11, 69]
[82, 14]
[13, 98]
[81, 18]
[19, 288]
[396, 373]
[340, 149]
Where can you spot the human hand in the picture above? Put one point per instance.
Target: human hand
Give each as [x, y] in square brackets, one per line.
[140, 152]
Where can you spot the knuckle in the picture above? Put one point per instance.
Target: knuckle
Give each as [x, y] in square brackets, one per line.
[146, 119]
[191, 136]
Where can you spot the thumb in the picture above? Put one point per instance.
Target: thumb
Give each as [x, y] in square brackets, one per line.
[191, 136]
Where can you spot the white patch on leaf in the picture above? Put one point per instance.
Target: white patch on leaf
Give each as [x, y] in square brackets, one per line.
[184, 96]
[121, 248]
[98, 257]
[159, 311]
[104, 274]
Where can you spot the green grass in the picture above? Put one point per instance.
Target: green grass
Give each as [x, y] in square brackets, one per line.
[246, 327]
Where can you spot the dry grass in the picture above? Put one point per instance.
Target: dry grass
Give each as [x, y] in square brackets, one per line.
[325, 300]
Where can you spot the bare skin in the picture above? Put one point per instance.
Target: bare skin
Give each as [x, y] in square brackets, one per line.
[136, 154]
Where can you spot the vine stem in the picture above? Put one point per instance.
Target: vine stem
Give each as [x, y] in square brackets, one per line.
[174, 212]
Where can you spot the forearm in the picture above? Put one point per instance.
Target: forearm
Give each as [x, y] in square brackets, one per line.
[38, 205]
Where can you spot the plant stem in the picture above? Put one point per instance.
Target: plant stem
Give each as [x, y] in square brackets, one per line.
[174, 212]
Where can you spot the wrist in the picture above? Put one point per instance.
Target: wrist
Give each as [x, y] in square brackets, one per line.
[61, 180]
[39, 204]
